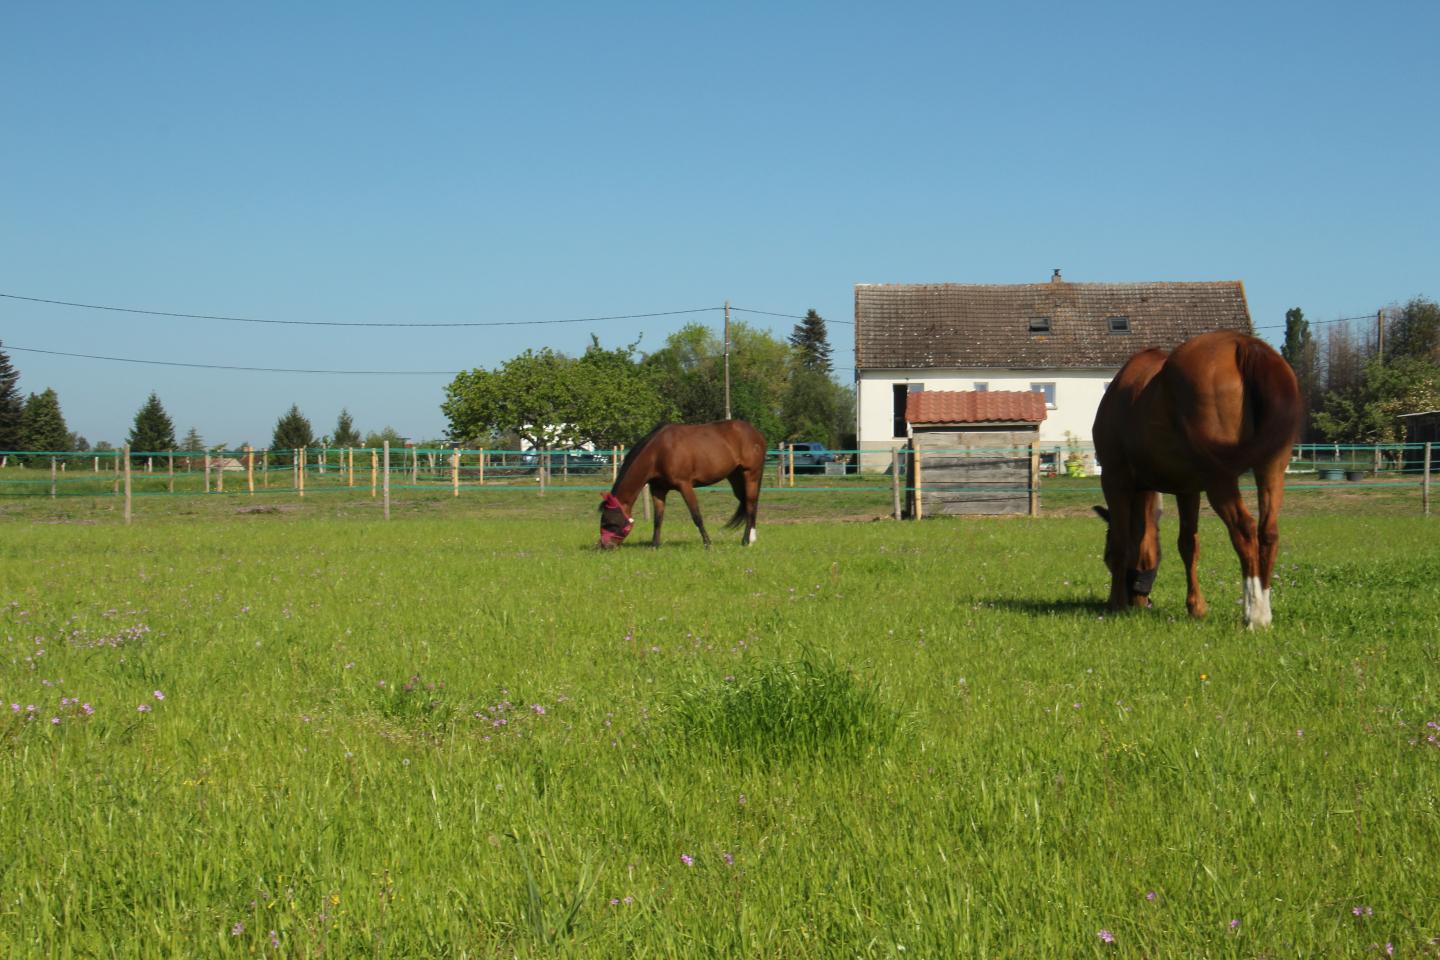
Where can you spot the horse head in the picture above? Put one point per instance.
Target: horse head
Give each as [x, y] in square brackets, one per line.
[615, 523]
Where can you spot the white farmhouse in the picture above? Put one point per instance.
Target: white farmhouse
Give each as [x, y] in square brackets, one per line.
[1064, 340]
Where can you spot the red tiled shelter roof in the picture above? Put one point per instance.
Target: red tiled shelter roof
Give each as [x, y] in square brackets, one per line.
[929, 407]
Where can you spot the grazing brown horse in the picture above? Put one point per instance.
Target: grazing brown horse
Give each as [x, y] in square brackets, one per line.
[677, 456]
[1220, 405]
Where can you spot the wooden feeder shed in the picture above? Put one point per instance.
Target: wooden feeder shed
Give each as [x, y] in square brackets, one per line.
[974, 452]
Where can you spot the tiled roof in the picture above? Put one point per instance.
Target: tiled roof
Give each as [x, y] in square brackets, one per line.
[974, 406]
[908, 326]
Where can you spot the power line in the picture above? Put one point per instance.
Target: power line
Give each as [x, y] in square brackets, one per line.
[343, 323]
[791, 316]
[1316, 323]
[218, 366]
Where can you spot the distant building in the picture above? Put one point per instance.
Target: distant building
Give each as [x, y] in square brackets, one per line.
[1063, 340]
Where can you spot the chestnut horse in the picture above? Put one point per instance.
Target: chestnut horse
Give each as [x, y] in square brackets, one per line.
[677, 456]
[1221, 404]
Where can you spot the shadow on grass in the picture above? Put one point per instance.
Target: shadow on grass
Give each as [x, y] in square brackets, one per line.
[1061, 607]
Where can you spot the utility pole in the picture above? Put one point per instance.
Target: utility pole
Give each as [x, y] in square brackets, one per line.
[1380, 334]
[727, 359]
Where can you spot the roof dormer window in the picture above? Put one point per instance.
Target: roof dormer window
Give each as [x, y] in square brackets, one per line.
[1039, 325]
[1119, 325]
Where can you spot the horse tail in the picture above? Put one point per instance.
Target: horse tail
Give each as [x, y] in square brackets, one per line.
[1276, 408]
[738, 519]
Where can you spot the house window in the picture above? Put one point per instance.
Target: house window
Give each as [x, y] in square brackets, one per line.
[1119, 325]
[902, 393]
[981, 387]
[1048, 389]
[1039, 325]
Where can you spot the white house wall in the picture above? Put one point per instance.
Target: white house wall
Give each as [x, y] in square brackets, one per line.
[1077, 395]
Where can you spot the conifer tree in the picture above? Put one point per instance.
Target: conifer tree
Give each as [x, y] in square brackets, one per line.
[345, 433]
[12, 407]
[292, 431]
[44, 427]
[153, 430]
[811, 343]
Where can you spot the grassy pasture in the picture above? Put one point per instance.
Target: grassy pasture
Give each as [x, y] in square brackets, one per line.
[467, 734]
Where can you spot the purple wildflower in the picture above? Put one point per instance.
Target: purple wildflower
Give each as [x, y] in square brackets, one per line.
[1105, 936]
[238, 929]
[274, 939]
[1362, 911]
[143, 708]
[87, 709]
[55, 721]
[686, 859]
[159, 695]
[729, 858]
[1234, 925]
[1150, 896]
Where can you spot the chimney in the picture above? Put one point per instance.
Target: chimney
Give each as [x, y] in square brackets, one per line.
[1055, 277]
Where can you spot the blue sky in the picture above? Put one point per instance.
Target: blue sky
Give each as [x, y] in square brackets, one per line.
[484, 162]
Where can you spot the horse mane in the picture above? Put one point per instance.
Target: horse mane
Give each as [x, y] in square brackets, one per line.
[634, 451]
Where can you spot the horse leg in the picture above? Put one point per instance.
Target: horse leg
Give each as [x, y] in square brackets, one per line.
[1117, 541]
[657, 501]
[1224, 496]
[688, 492]
[1269, 495]
[747, 491]
[1142, 566]
[1189, 510]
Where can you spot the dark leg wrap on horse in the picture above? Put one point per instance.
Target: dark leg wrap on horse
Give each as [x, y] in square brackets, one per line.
[1141, 581]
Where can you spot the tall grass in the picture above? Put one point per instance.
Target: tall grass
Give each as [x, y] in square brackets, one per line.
[458, 735]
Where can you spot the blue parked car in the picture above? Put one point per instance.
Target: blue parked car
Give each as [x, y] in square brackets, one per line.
[811, 457]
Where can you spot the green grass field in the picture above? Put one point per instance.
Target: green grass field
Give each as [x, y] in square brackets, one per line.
[465, 733]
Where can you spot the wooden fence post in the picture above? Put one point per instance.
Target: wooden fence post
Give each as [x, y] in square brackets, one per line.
[894, 481]
[350, 467]
[116, 489]
[265, 468]
[645, 495]
[207, 471]
[455, 470]
[387, 479]
[1425, 483]
[149, 465]
[780, 465]
[127, 483]
[52, 478]
[170, 469]
[1035, 476]
[300, 457]
[919, 512]
[414, 466]
[614, 465]
[792, 464]
[482, 466]
[220, 473]
[97, 464]
[250, 469]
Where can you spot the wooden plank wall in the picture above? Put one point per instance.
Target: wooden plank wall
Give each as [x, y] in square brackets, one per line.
[980, 472]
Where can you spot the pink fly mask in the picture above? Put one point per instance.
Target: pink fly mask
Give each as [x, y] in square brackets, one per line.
[615, 523]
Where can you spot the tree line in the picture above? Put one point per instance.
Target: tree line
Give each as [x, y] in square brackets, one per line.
[610, 397]
[1358, 379]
